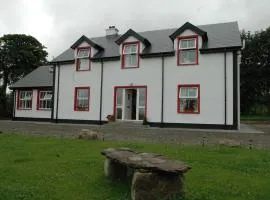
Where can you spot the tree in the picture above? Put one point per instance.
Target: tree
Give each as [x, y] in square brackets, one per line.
[255, 70]
[19, 54]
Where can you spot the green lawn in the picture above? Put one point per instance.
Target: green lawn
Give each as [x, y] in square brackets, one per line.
[48, 168]
[258, 118]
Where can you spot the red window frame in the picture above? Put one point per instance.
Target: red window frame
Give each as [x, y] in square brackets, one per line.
[179, 98]
[19, 102]
[78, 59]
[123, 55]
[38, 100]
[179, 51]
[76, 100]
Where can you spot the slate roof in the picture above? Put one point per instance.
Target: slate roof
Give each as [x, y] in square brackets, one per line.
[222, 35]
[40, 77]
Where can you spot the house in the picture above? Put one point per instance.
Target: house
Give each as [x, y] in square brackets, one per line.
[181, 77]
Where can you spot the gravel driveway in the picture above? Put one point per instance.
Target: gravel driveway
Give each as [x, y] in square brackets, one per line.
[257, 134]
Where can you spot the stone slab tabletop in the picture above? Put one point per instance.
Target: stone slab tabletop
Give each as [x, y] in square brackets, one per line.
[145, 161]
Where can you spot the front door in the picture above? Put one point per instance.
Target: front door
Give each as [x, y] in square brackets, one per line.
[130, 103]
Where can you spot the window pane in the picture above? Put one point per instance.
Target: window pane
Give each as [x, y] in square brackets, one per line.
[126, 49]
[82, 103]
[188, 56]
[49, 104]
[131, 60]
[83, 53]
[130, 48]
[28, 104]
[188, 43]
[141, 113]
[84, 64]
[192, 56]
[188, 105]
[41, 95]
[183, 92]
[82, 93]
[133, 48]
[22, 94]
[191, 43]
[119, 97]
[48, 95]
[183, 43]
[192, 92]
[142, 97]
[118, 113]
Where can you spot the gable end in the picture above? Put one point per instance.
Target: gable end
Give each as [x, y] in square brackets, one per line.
[129, 33]
[86, 39]
[189, 26]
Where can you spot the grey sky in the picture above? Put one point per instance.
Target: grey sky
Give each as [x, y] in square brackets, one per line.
[59, 23]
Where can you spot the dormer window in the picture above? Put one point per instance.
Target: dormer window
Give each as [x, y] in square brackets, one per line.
[130, 55]
[83, 59]
[187, 50]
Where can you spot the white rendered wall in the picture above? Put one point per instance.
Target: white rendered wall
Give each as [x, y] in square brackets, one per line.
[148, 74]
[33, 113]
[209, 74]
[69, 79]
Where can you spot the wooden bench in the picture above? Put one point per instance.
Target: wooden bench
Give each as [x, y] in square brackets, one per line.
[153, 176]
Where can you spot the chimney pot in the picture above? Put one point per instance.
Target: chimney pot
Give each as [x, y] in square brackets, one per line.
[111, 31]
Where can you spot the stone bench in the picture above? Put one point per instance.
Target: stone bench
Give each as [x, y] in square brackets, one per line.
[153, 176]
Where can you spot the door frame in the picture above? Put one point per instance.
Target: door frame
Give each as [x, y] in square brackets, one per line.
[130, 87]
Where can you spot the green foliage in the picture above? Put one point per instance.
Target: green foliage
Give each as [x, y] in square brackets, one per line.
[255, 71]
[19, 54]
[40, 168]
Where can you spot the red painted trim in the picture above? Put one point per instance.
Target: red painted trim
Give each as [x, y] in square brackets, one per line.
[130, 87]
[38, 100]
[77, 63]
[123, 55]
[197, 49]
[75, 98]
[178, 98]
[18, 99]
[19, 102]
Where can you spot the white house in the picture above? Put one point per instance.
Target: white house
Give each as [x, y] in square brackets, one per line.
[183, 77]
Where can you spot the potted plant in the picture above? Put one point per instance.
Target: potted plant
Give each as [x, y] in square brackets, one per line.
[110, 118]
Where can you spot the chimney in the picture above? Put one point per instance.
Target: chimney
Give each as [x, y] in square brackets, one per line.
[111, 31]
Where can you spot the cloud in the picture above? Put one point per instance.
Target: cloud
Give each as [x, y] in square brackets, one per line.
[59, 23]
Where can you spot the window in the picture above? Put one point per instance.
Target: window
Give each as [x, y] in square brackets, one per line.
[188, 99]
[24, 100]
[130, 55]
[83, 59]
[81, 100]
[187, 50]
[44, 101]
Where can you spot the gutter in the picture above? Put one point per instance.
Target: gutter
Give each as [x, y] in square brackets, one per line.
[57, 100]
[53, 91]
[14, 104]
[162, 91]
[225, 87]
[101, 94]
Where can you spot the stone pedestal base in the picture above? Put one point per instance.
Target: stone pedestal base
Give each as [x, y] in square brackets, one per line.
[116, 171]
[156, 186]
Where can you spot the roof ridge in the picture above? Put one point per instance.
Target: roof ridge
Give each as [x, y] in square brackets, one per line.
[162, 29]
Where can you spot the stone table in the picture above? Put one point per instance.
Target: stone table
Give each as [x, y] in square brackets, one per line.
[153, 176]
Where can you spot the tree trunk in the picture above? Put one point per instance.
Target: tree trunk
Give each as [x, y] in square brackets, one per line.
[3, 96]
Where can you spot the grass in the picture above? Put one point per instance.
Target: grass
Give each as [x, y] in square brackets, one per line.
[39, 168]
[255, 118]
